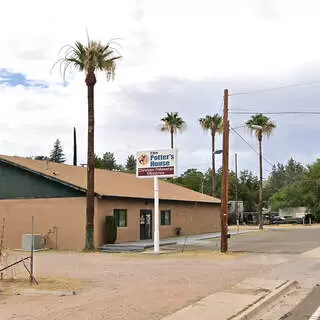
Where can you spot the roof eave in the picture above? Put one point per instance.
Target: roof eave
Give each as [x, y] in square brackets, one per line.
[105, 197]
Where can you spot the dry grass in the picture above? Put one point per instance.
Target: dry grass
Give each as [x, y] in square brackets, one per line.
[120, 286]
[174, 253]
[9, 286]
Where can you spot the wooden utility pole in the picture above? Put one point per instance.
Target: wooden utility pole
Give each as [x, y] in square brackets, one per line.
[236, 190]
[225, 178]
[260, 182]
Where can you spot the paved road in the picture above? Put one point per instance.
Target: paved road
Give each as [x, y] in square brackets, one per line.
[289, 240]
[283, 240]
[309, 308]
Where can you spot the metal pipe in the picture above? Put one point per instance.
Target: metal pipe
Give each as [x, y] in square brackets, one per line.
[32, 251]
[14, 263]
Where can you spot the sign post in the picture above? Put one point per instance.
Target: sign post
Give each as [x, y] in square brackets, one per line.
[156, 216]
[155, 164]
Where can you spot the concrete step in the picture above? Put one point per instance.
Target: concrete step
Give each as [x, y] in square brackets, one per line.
[119, 250]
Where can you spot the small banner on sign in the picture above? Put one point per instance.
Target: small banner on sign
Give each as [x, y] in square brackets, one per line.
[157, 163]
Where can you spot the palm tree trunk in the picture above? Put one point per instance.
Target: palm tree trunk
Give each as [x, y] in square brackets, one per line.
[171, 134]
[260, 184]
[213, 164]
[90, 81]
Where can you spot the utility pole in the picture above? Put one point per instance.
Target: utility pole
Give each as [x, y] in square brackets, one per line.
[225, 177]
[236, 190]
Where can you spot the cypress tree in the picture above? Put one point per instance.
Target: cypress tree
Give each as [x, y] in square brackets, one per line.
[74, 147]
[57, 154]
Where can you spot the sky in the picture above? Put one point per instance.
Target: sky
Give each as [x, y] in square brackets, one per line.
[178, 56]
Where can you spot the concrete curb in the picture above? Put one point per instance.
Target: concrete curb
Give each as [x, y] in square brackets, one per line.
[252, 310]
[46, 292]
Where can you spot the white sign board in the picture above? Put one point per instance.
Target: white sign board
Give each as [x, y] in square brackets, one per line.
[157, 163]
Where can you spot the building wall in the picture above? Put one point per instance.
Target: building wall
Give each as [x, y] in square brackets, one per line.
[67, 214]
[193, 218]
[294, 212]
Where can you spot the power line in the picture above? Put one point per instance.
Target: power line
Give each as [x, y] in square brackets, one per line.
[276, 112]
[244, 140]
[275, 88]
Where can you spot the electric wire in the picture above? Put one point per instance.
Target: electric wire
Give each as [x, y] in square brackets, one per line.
[245, 141]
[276, 112]
[275, 88]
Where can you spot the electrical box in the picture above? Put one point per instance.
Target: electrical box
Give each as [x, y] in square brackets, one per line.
[27, 239]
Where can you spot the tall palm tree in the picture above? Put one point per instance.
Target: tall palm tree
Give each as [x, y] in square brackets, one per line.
[172, 123]
[214, 124]
[90, 58]
[260, 125]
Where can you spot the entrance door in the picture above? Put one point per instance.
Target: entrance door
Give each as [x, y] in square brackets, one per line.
[145, 224]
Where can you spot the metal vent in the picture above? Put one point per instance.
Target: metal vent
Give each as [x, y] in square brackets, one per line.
[26, 241]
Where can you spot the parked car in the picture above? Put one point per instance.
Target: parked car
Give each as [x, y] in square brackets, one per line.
[300, 220]
[278, 220]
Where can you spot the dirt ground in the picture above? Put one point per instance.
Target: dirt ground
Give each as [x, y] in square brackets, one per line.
[121, 286]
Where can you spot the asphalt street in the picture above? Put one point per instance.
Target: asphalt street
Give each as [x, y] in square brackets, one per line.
[290, 253]
[278, 241]
[309, 308]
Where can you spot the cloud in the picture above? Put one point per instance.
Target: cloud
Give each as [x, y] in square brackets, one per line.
[177, 56]
[266, 9]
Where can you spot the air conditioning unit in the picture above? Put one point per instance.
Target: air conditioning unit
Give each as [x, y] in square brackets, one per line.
[27, 240]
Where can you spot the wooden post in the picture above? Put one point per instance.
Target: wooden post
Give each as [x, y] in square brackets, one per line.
[1, 246]
[225, 178]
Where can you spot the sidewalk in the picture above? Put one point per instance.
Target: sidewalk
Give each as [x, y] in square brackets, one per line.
[239, 302]
[292, 276]
[194, 239]
[189, 239]
[198, 239]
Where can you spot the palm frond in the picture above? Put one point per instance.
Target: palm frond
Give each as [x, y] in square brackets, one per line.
[173, 122]
[260, 120]
[213, 123]
[92, 57]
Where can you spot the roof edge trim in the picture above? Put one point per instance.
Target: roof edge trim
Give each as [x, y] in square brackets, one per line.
[70, 185]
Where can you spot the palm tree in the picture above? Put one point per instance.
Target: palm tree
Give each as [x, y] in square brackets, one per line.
[90, 58]
[172, 123]
[260, 125]
[214, 124]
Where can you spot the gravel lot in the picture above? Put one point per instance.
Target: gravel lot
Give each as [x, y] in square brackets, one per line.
[126, 286]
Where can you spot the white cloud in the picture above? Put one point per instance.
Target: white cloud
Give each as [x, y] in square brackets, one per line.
[177, 56]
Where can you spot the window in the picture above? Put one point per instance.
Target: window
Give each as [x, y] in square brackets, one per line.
[165, 217]
[121, 217]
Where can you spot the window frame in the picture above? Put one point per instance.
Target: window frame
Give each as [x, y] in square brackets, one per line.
[116, 214]
[163, 217]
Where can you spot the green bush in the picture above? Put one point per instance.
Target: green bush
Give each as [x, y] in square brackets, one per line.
[111, 229]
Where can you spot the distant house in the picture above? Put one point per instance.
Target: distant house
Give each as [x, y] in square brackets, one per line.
[293, 212]
[232, 219]
[55, 195]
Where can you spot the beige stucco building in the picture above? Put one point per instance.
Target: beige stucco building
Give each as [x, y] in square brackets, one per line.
[55, 195]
